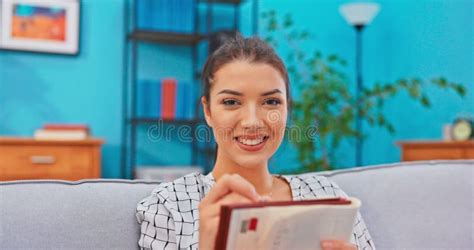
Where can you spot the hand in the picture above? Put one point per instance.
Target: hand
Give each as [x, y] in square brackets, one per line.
[337, 244]
[229, 189]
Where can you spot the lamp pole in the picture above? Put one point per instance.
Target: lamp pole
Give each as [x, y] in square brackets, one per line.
[359, 141]
[359, 15]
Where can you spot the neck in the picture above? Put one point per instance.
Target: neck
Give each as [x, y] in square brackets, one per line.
[258, 176]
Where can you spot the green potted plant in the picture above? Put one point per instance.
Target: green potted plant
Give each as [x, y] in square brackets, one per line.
[321, 77]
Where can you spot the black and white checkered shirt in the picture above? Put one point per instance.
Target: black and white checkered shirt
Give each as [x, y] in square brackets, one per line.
[169, 217]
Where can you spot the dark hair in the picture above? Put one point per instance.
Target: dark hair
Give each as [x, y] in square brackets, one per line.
[252, 49]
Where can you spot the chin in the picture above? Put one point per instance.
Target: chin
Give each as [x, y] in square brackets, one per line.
[251, 162]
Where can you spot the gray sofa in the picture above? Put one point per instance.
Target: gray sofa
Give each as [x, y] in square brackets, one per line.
[418, 205]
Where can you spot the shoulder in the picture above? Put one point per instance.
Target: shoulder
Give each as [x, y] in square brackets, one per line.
[313, 185]
[172, 196]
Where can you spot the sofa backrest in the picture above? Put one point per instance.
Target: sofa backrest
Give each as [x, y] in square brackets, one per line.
[411, 205]
[90, 214]
[416, 205]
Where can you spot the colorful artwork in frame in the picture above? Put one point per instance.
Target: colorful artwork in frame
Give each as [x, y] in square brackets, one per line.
[49, 26]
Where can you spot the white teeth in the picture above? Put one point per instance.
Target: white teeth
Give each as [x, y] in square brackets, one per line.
[251, 142]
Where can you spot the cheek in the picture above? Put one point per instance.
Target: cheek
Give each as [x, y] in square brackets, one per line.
[224, 123]
[223, 118]
[277, 121]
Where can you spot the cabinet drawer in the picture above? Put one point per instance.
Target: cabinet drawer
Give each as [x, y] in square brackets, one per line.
[436, 150]
[56, 162]
[417, 154]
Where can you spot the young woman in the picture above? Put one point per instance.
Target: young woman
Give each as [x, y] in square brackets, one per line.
[246, 102]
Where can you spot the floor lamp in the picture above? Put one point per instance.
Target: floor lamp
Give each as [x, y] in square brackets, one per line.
[359, 15]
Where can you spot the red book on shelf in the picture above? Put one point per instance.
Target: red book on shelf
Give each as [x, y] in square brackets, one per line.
[168, 98]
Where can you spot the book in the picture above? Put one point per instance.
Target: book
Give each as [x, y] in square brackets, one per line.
[142, 103]
[180, 100]
[191, 6]
[66, 127]
[148, 99]
[55, 131]
[154, 98]
[60, 135]
[286, 224]
[190, 104]
[168, 98]
[144, 14]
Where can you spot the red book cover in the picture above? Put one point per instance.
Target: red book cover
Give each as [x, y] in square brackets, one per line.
[68, 127]
[168, 98]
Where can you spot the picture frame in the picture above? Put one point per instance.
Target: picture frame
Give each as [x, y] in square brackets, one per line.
[44, 26]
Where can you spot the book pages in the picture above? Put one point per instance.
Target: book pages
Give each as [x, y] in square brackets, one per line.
[290, 227]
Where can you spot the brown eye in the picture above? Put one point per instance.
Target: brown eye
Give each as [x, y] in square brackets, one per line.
[273, 102]
[229, 102]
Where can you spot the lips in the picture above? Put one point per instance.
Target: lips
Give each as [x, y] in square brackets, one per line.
[251, 143]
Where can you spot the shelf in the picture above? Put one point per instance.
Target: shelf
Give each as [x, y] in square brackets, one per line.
[169, 121]
[166, 37]
[202, 152]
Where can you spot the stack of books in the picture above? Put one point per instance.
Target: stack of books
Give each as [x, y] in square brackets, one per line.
[60, 132]
[166, 15]
[166, 99]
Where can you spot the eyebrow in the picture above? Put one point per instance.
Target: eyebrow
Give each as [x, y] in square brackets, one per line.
[233, 92]
[271, 92]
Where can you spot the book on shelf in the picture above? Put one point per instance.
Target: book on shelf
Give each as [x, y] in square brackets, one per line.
[166, 98]
[52, 131]
[286, 224]
[184, 100]
[143, 14]
[148, 99]
[180, 101]
[166, 15]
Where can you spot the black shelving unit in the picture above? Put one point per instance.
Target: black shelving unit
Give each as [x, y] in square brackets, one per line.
[166, 37]
[133, 38]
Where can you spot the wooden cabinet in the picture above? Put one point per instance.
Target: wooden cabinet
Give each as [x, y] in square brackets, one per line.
[27, 158]
[436, 150]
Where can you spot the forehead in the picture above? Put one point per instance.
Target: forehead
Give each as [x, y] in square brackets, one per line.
[247, 76]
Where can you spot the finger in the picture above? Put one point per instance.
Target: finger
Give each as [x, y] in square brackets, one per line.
[210, 224]
[213, 210]
[207, 233]
[336, 244]
[265, 198]
[232, 183]
[331, 244]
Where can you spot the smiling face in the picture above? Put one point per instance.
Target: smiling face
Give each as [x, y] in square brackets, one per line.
[247, 112]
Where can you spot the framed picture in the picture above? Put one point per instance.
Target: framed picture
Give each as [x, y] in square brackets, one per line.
[48, 26]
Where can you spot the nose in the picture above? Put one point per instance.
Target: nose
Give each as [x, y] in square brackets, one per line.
[251, 119]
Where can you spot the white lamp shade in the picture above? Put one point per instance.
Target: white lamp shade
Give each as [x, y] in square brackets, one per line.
[359, 13]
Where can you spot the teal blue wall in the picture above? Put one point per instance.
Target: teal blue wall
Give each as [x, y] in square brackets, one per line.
[40, 88]
[424, 38]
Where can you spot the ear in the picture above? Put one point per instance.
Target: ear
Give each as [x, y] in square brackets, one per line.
[207, 111]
